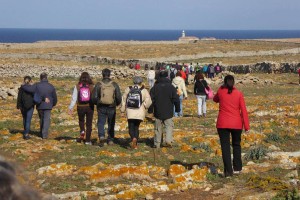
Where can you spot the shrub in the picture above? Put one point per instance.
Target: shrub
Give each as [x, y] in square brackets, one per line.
[256, 153]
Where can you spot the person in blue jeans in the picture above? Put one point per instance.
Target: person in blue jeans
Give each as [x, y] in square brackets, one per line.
[47, 92]
[26, 105]
[107, 96]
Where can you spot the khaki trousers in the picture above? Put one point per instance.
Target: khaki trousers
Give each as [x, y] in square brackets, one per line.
[168, 125]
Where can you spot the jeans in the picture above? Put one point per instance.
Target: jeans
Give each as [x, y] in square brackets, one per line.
[201, 100]
[27, 115]
[85, 112]
[133, 126]
[224, 135]
[151, 83]
[108, 113]
[168, 125]
[44, 116]
[176, 114]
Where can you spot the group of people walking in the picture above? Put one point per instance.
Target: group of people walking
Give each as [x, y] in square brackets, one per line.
[164, 100]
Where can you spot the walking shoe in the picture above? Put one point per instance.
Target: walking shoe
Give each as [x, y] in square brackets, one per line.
[134, 143]
[101, 141]
[26, 137]
[204, 114]
[110, 142]
[88, 143]
[237, 172]
[168, 145]
[82, 135]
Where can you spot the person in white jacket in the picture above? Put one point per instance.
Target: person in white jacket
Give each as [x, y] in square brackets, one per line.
[179, 84]
[151, 77]
[135, 115]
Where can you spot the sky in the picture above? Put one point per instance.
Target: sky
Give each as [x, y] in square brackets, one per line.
[152, 14]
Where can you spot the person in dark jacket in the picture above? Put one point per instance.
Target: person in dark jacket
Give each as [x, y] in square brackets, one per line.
[199, 91]
[48, 95]
[26, 106]
[106, 110]
[164, 97]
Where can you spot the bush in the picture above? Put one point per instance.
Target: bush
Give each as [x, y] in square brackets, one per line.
[256, 153]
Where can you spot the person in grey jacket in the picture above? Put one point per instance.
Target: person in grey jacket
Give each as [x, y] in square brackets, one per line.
[49, 100]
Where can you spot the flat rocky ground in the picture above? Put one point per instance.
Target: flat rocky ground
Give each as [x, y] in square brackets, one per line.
[67, 169]
[63, 168]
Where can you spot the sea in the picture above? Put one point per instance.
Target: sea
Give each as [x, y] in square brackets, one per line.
[18, 35]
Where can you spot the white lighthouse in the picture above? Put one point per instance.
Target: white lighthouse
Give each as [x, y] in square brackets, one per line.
[183, 34]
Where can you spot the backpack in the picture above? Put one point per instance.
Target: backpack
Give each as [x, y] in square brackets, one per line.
[84, 95]
[218, 68]
[107, 93]
[134, 97]
[172, 74]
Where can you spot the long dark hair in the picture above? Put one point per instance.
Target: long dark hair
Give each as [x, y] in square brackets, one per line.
[229, 83]
[85, 78]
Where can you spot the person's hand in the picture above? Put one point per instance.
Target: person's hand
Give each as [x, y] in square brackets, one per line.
[47, 100]
[247, 131]
[70, 112]
[185, 98]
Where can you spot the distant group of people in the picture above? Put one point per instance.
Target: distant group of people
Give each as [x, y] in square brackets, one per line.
[164, 100]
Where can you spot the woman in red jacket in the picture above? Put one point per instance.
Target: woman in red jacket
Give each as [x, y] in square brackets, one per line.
[232, 118]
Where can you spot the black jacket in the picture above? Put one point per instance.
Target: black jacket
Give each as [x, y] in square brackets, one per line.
[164, 97]
[199, 87]
[46, 90]
[96, 94]
[24, 100]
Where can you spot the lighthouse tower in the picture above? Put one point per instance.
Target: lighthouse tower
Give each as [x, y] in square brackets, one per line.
[183, 34]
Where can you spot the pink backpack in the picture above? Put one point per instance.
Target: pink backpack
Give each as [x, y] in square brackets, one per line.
[84, 93]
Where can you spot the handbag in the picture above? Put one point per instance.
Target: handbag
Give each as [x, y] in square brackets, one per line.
[209, 92]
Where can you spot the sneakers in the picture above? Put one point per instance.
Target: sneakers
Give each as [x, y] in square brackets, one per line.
[82, 134]
[26, 137]
[237, 172]
[167, 145]
[88, 143]
[110, 142]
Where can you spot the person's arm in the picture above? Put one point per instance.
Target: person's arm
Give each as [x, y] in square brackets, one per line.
[118, 94]
[184, 90]
[244, 113]
[124, 98]
[19, 99]
[29, 88]
[205, 84]
[54, 95]
[74, 98]
[147, 99]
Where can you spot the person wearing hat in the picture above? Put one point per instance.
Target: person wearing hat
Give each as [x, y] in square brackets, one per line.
[135, 101]
[164, 97]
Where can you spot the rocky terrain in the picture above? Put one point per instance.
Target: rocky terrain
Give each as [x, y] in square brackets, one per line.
[63, 168]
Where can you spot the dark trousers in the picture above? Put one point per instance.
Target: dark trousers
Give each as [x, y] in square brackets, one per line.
[44, 116]
[108, 113]
[27, 116]
[133, 126]
[88, 113]
[224, 135]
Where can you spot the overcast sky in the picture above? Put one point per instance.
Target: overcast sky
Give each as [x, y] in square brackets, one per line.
[151, 14]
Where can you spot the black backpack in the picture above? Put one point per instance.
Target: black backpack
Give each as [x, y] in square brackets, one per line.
[134, 97]
[172, 74]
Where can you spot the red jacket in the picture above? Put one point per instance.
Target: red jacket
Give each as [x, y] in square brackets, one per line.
[232, 109]
[183, 75]
[299, 71]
